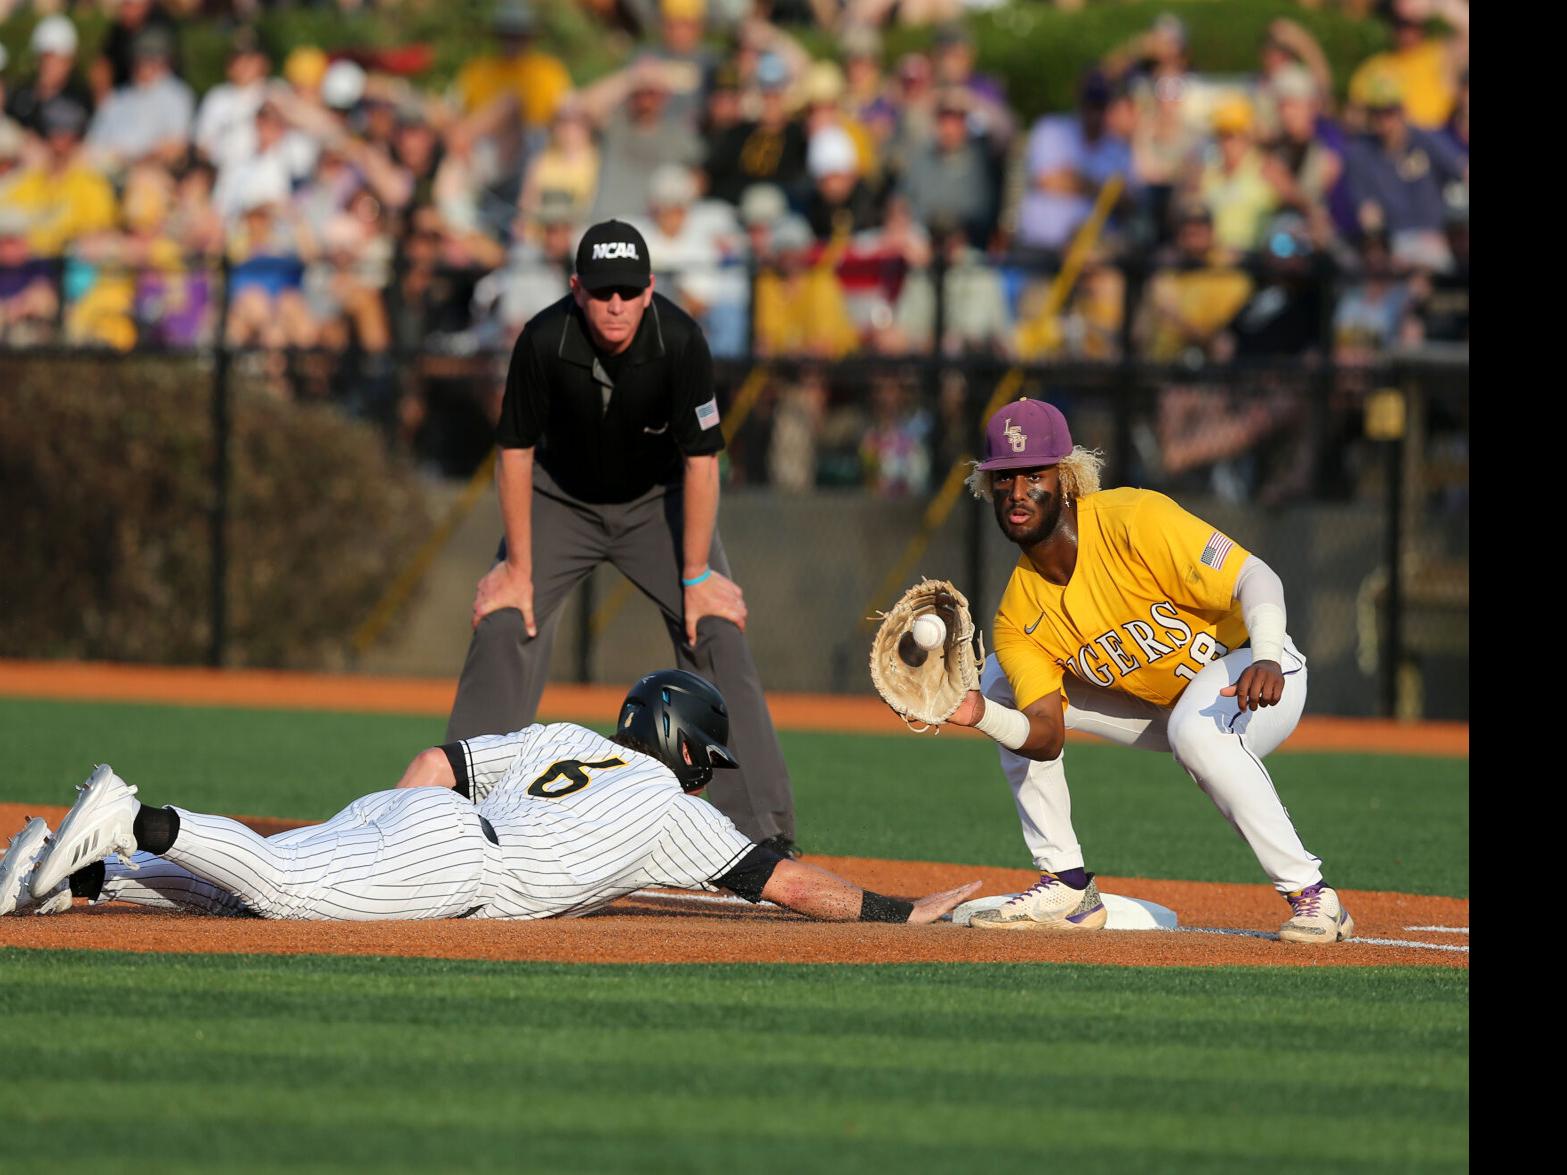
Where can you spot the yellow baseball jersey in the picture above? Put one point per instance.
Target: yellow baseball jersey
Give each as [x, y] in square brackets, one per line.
[539, 81]
[1150, 602]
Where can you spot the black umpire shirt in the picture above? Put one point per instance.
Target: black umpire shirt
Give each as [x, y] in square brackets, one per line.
[608, 428]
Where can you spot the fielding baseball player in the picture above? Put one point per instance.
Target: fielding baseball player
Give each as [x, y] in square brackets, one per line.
[1133, 620]
[551, 821]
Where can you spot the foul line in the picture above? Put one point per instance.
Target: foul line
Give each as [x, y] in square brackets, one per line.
[700, 899]
[1374, 942]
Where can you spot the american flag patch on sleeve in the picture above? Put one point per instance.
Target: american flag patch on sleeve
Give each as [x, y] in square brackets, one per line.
[1218, 547]
[707, 414]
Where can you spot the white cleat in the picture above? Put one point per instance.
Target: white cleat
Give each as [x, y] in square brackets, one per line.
[1049, 904]
[99, 825]
[1318, 917]
[16, 870]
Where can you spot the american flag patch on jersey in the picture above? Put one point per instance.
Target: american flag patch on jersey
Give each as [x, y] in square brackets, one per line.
[1218, 547]
[707, 414]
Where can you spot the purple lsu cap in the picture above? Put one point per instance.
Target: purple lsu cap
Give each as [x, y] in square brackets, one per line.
[1025, 434]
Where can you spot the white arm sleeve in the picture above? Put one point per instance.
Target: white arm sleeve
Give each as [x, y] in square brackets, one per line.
[1007, 726]
[1261, 596]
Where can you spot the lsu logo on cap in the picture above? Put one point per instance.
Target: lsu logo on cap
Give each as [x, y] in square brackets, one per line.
[614, 251]
[1015, 436]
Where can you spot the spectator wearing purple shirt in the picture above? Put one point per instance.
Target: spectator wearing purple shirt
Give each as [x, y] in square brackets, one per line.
[1397, 176]
[954, 60]
[1068, 160]
[1456, 132]
[29, 299]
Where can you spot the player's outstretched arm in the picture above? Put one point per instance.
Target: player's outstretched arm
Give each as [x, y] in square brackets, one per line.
[816, 893]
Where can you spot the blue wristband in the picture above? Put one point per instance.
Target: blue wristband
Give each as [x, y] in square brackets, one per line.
[699, 579]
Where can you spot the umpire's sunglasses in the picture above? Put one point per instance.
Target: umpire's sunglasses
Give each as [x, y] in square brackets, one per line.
[627, 293]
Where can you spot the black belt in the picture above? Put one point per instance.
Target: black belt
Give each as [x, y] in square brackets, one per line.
[489, 832]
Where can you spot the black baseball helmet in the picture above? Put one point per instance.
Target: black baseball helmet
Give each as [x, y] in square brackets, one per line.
[681, 720]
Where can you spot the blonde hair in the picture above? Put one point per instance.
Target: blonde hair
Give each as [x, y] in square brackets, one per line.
[1079, 474]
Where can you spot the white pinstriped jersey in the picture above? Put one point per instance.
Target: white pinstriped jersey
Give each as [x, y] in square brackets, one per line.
[582, 821]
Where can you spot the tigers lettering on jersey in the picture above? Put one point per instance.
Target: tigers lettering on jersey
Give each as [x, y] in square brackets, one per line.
[1112, 659]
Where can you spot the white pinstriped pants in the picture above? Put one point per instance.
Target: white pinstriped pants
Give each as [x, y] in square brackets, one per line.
[404, 854]
[1218, 745]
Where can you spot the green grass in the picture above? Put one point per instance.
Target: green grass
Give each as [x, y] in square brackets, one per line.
[1378, 821]
[207, 1062]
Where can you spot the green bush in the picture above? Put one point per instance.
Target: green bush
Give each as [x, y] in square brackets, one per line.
[106, 493]
[1037, 49]
[1041, 52]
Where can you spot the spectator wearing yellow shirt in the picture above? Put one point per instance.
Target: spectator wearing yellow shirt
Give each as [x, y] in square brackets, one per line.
[1234, 179]
[63, 197]
[535, 79]
[1186, 317]
[1189, 305]
[568, 165]
[116, 265]
[800, 308]
[1425, 69]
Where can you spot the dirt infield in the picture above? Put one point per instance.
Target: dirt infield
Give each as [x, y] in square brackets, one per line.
[850, 714]
[1223, 925]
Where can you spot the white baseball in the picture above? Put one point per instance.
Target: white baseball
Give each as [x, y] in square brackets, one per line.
[929, 632]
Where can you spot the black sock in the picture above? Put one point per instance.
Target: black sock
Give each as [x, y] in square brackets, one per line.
[87, 882]
[156, 828]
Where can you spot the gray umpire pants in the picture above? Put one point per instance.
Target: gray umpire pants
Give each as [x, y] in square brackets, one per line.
[504, 674]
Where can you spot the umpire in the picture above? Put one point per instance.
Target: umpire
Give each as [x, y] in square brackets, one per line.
[609, 444]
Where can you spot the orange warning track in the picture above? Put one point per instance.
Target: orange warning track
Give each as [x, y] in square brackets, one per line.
[653, 930]
[267, 689]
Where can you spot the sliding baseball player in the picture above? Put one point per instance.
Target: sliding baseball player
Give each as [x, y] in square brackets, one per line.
[551, 821]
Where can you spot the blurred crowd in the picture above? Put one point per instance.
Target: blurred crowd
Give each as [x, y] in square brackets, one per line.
[804, 207]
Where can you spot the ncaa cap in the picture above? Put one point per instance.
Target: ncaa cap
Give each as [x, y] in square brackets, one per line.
[1025, 434]
[612, 253]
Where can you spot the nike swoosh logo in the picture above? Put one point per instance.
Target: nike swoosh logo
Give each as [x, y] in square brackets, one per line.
[659, 431]
[1030, 629]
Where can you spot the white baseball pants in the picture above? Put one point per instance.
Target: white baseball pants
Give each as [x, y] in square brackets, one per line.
[395, 855]
[1220, 746]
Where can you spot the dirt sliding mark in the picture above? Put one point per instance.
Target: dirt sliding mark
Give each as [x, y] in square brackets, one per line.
[637, 930]
[266, 689]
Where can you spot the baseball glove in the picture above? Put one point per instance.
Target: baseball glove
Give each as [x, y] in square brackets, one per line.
[926, 687]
